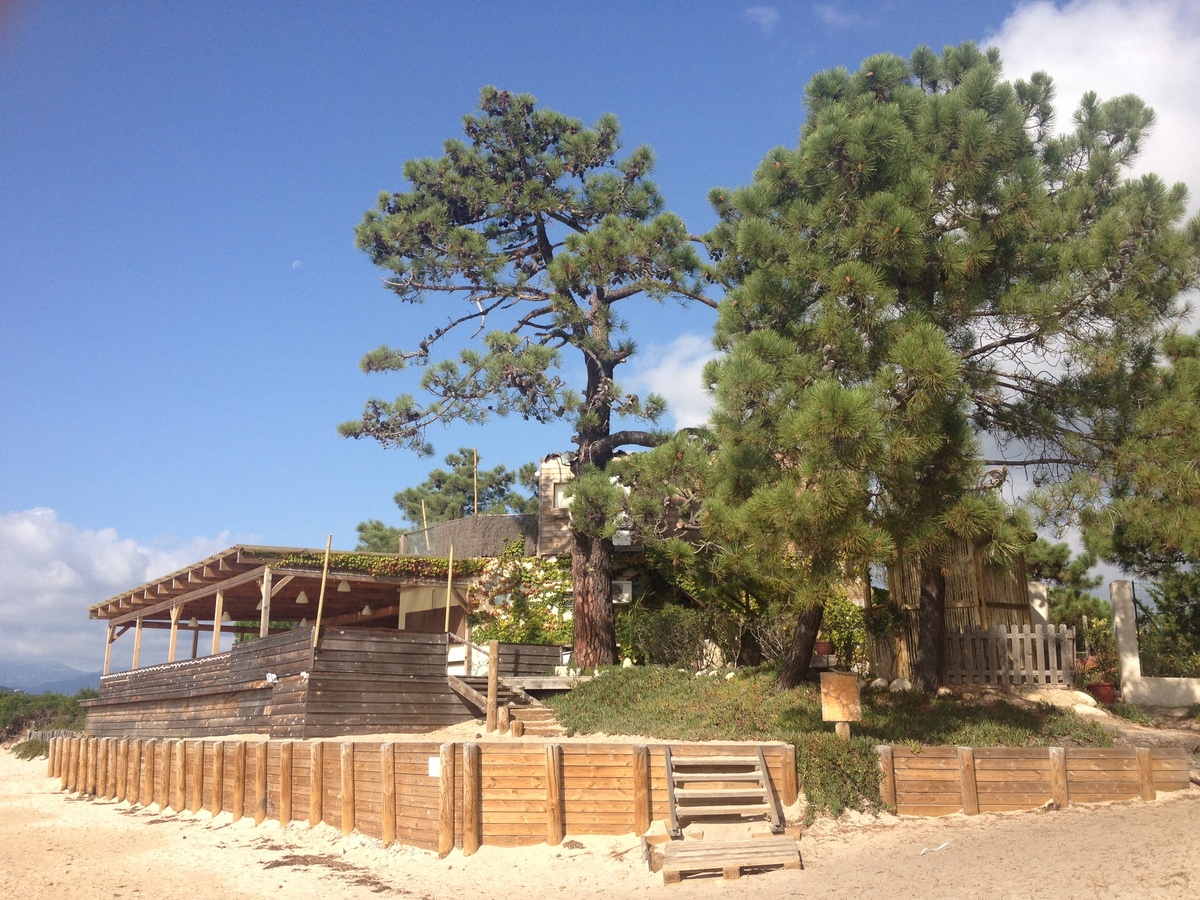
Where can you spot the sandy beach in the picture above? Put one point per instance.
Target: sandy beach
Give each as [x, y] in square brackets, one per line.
[56, 846]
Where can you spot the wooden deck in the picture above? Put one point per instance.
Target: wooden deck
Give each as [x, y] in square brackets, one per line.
[728, 857]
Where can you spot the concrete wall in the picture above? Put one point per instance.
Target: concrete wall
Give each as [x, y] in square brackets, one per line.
[1136, 687]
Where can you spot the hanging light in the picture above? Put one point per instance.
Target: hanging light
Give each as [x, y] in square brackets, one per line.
[303, 623]
[366, 610]
[226, 617]
[193, 622]
[343, 586]
[259, 606]
[302, 599]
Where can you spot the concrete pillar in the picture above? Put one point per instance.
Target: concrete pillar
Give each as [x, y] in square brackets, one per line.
[1039, 603]
[1125, 631]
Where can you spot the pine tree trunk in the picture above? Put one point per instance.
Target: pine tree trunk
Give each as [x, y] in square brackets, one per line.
[930, 660]
[591, 575]
[799, 655]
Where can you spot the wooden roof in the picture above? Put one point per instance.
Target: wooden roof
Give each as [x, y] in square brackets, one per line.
[238, 573]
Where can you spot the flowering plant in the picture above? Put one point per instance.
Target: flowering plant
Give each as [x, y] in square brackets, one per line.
[521, 600]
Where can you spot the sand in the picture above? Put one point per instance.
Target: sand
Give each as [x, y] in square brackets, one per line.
[56, 846]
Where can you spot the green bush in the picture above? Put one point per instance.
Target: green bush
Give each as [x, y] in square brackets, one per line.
[31, 749]
[671, 636]
[22, 712]
[1130, 712]
[837, 774]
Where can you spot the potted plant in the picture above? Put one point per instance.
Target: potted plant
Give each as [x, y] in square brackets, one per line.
[1099, 669]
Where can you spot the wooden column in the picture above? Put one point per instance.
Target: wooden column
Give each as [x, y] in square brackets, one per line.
[446, 800]
[1145, 774]
[114, 766]
[137, 644]
[218, 779]
[195, 641]
[260, 782]
[197, 775]
[166, 753]
[146, 791]
[179, 804]
[1059, 789]
[218, 613]
[493, 683]
[316, 782]
[50, 757]
[555, 823]
[112, 636]
[82, 780]
[285, 782]
[102, 768]
[503, 718]
[641, 789]
[73, 765]
[176, 612]
[69, 767]
[347, 787]
[122, 770]
[239, 780]
[790, 788]
[387, 787]
[887, 776]
[264, 620]
[472, 815]
[966, 777]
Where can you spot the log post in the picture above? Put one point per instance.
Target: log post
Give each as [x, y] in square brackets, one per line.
[179, 804]
[146, 792]
[218, 779]
[555, 824]
[472, 815]
[163, 793]
[97, 745]
[122, 770]
[887, 776]
[81, 778]
[504, 717]
[239, 780]
[789, 789]
[285, 782]
[137, 645]
[114, 766]
[218, 614]
[176, 610]
[517, 729]
[387, 787]
[1059, 789]
[316, 782]
[197, 776]
[50, 757]
[112, 631]
[1145, 774]
[102, 769]
[264, 620]
[260, 782]
[493, 683]
[966, 777]
[446, 799]
[347, 787]
[71, 775]
[641, 789]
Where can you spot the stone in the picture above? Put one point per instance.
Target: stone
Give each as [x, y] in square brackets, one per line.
[1092, 711]
[627, 663]
[945, 692]
[900, 684]
[879, 684]
[1084, 698]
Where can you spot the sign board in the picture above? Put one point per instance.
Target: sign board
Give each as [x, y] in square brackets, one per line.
[839, 697]
[435, 767]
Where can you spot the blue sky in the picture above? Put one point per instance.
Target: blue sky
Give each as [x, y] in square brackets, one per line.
[182, 307]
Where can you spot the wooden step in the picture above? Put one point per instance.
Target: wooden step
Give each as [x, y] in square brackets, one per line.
[691, 777]
[747, 793]
[728, 857]
[741, 794]
[709, 762]
[740, 809]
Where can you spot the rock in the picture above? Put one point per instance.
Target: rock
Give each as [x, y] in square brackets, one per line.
[627, 663]
[879, 684]
[1083, 698]
[900, 684]
[945, 692]
[1092, 711]
[729, 675]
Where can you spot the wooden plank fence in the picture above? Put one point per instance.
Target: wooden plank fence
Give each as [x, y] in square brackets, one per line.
[424, 794]
[1025, 654]
[936, 781]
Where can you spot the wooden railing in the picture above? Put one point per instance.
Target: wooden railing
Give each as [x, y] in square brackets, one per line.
[1012, 654]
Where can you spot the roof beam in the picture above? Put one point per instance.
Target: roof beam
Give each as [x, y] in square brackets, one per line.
[252, 575]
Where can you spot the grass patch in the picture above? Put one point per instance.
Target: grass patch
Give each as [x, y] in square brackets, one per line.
[1130, 712]
[22, 712]
[31, 749]
[679, 706]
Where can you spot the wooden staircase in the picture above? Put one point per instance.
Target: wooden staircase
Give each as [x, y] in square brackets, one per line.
[719, 787]
[535, 718]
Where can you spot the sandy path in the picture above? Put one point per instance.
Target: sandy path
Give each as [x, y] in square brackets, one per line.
[52, 846]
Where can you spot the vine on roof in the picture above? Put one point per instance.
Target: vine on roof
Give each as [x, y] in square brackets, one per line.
[375, 564]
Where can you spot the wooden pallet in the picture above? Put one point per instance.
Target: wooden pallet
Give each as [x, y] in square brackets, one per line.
[728, 857]
[718, 787]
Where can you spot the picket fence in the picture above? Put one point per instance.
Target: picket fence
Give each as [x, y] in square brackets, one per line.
[1011, 654]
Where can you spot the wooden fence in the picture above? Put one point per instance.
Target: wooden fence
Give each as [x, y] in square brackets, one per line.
[424, 794]
[1014, 654]
[940, 780]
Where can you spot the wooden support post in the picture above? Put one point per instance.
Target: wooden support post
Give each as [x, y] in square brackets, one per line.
[503, 718]
[197, 776]
[472, 815]
[264, 619]
[122, 770]
[218, 779]
[449, 587]
[641, 789]
[789, 789]
[555, 824]
[73, 765]
[218, 614]
[146, 790]
[446, 799]
[260, 782]
[165, 755]
[493, 683]
[321, 598]
[195, 641]
[112, 636]
[387, 788]
[114, 766]
[887, 776]
[517, 728]
[316, 782]
[347, 787]
[97, 746]
[102, 768]
[239, 780]
[50, 757]
[176, 611]
[966, 778]
[85, 759]
[137, 644]
[285, 782]
[1059, 789]
[1145, 774]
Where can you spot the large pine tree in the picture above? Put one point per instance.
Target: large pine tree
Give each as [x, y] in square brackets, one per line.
[533, 234]
[931, 282]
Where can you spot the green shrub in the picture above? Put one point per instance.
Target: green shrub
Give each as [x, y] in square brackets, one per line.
[1130, 712]
[846, 624]
[31, 749]
[837, 774]
[671, 636]
[22, 712]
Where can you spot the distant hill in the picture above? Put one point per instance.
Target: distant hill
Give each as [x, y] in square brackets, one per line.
[37, 676]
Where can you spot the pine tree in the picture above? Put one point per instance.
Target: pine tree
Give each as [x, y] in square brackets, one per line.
[531, 232]
[929, 267]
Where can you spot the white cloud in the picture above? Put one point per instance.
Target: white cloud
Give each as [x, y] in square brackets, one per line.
[833, 17]
[765, 17]
[676, 375]
[1114, 47]
[51, 571]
